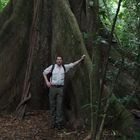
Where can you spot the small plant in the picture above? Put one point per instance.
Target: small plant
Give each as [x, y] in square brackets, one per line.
[3, 3]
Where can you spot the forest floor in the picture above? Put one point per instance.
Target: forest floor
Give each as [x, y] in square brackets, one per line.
[36, 126]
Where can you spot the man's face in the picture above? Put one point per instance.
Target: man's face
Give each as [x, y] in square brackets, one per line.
[59, 61]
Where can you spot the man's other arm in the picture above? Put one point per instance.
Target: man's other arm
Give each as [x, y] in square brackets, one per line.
[45, 72]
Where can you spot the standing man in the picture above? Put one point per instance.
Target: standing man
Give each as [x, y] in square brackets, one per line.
[56, 85]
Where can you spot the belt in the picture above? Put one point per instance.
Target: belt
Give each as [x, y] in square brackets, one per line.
[57, 86]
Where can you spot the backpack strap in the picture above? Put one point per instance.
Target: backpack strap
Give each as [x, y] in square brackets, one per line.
[52, 68]
[50, 74]
[64, 68]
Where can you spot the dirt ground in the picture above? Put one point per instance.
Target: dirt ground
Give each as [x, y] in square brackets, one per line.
[36, 126]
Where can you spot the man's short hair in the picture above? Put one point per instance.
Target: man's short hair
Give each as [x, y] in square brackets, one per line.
[59, 56]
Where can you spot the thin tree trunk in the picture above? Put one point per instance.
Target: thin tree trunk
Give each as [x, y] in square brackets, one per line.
[33, 40]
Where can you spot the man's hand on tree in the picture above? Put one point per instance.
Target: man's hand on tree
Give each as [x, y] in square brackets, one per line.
[83, 57]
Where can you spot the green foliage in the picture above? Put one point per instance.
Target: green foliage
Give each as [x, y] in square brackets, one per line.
[136, 135]
[3, 3]
[127, 22]
[111, 74]
[129, 100]
[125, 100]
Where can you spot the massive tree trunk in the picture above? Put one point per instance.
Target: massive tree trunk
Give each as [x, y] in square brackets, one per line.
[32, 33]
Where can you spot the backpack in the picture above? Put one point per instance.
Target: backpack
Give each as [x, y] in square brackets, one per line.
[50, 74]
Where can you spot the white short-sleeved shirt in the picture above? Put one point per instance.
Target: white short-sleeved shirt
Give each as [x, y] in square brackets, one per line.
[58, 73]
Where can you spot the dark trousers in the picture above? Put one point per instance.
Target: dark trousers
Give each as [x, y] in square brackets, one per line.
[56, 99]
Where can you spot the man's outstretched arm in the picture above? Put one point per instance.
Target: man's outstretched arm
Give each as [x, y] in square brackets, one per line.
[71, 65]
[78, 61]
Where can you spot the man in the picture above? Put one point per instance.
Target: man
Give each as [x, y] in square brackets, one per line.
[56, 85]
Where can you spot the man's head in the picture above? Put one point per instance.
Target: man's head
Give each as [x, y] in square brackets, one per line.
[59, 60]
